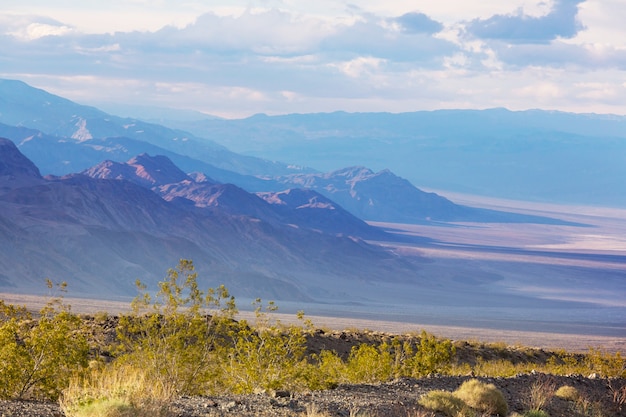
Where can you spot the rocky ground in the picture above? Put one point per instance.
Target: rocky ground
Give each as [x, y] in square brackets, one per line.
[397, 398]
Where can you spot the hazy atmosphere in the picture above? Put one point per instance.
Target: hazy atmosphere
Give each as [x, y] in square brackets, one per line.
[237, 58]
[312, 208]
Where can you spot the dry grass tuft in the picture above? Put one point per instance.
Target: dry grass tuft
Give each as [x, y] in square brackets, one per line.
[540, 393]
[482, 397]
[447, 403]
[567, 392]
[115, 392]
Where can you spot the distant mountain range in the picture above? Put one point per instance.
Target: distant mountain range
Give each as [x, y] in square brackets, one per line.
[385, 197]
[102, 229]
[121, 199]
[24, 106]
[101, 234]
[76, 137]
[300, 208]
[532, 155]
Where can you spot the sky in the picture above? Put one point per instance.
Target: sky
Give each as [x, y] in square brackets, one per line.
[237, 58]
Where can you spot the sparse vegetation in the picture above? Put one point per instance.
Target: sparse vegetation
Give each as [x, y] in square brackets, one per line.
[539, 393]
[567, 392]
[185, 341]
[447, 403]
[116, 391]
[482, 397]
[38, 356]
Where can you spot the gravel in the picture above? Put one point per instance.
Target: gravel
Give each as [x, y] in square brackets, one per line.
[397, 398]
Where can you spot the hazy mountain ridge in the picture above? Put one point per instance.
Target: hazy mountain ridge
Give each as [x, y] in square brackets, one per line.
[141, 169]
[74, 228]
[102, 234]
[385, 197]
[160, 175]
[372, 196]
[526, 155]
[25, 106]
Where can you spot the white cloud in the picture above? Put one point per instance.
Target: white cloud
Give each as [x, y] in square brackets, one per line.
[40, 30]
[359, 67]
[115, 47]
[604, 23]
[276, 56]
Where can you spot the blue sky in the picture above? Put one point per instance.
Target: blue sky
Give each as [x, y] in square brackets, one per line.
[236, 58]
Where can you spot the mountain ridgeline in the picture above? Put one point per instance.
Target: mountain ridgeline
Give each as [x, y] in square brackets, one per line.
[115, 222]
[531, 155]
[63, 137]
[99, 201]
[104, 233]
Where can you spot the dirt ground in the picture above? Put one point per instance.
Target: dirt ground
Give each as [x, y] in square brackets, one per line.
[395, 399]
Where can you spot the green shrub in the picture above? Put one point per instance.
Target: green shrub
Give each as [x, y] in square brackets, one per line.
[567, 392]
[38, 356]
[367, 364]
[447, 403]
[482, 397]
[500, 368]
[565, 363]
[177, 339]
[326, 371]
[267, 357]
[606, 364]
[432, 356]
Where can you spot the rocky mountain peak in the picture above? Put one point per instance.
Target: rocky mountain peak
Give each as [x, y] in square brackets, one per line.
[157, 169]
[299, 198]
[352, 173]
[145, 170]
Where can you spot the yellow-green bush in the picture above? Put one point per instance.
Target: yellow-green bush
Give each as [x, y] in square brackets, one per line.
[38, 356]
[447, 403]
[264, 358]
[567, 392]
[177, 338]
[606, 364]
[482, 397]
[432, 355]
[367, 364]
[325, 371]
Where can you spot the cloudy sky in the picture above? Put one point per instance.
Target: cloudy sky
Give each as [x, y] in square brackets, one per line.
[235, 58]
